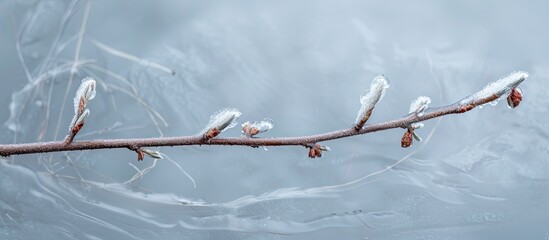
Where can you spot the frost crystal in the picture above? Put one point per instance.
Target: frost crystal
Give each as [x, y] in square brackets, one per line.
[222, 120]
[253, 128]
[498, 88]
[371, 97]
[419, 105]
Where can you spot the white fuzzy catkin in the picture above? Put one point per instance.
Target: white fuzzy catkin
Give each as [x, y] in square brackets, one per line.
[262, 126]
[498, 88]
[223, 120]
[419, 105]
[371, 97]
[86, 91]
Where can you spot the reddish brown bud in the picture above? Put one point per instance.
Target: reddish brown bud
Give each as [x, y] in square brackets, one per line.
[318, 152]
[514, 98]
[407, 139]
[466, 108]
[211, 134]
[77, 128]
[140, 155]
[311, 153]
[249, 130]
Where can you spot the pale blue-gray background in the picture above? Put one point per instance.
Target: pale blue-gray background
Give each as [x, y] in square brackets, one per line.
[304, 64]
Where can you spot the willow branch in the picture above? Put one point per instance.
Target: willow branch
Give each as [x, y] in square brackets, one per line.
[135, 143]
[208, 137]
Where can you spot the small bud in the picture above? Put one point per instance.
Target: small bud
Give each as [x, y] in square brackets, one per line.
[369, 100]
[514, 98]
[311, 153]
[220, 121]
[151, 153]
[316, 151]
[140, 155]
[406, 140]
[252, 128]
[211, 133]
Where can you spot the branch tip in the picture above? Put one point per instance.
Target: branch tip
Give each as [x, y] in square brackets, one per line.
[213, 132]
[140, 155]
[496, 89]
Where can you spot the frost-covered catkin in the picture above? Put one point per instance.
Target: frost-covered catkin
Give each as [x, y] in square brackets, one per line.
[419, 105]
[220, 121]
[370, 98]
[496, 89]
[85, 93]
[253, 128]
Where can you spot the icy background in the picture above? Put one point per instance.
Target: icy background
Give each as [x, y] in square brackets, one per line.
[304, 64]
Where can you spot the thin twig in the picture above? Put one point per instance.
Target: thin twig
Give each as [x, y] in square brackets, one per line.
[132, 143]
